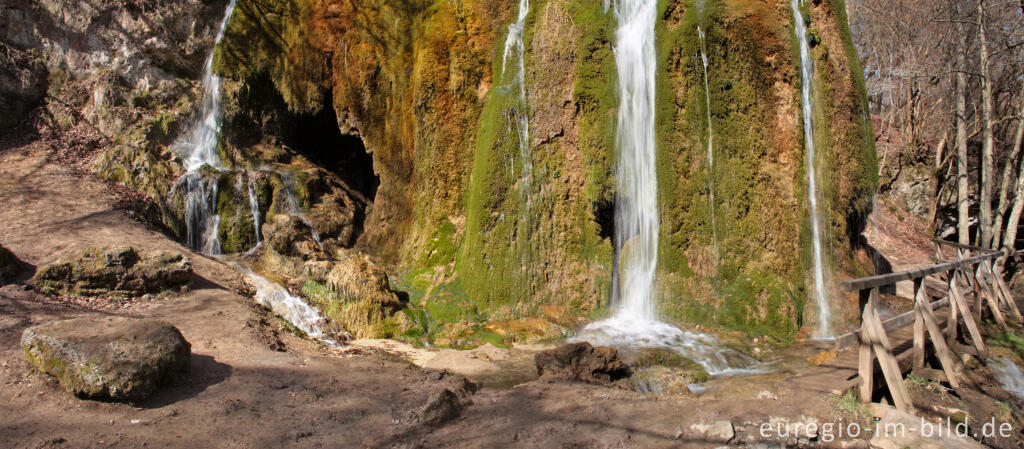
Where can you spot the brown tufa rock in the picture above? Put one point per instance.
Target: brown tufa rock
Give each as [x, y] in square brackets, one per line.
[289, 235]
[119, 271]
[112, 357]
[583, 362]
[356, 296]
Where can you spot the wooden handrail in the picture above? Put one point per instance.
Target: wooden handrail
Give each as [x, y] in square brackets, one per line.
[882, 280]
[967, 247]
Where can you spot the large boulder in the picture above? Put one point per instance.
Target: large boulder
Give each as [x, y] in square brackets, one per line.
[117, 271]
[10, 266]
[112, 357]
[583, 362]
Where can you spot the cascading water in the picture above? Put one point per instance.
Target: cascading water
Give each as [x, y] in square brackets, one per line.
[806, 78]
[287, 306]
[514, 83]
[1010, 375]
[633, 323]
[711, 153]
[201, 217]
[636, 211]
[254, 206]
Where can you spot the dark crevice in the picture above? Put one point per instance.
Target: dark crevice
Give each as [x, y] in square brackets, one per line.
[318, 138]
[604, 214]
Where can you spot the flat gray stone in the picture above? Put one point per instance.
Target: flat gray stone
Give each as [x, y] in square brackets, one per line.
[111, 357]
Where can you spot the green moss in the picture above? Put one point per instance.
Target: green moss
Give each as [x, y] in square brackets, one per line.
[236, 229]
[517, 222]
[1009, 339]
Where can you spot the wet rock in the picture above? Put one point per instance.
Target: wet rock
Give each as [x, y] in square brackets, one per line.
[112, 357]
[118, 271]
[660, 380]
[10, 266]
[527, 330]
[583, 362]
[289, 235]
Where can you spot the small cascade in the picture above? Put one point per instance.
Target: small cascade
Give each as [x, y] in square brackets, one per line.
[254, 206]
[201, 146]
[806, 79]
[287, 306]
[711, 153]
[634, 323]
[201, 219]
[1010, 375]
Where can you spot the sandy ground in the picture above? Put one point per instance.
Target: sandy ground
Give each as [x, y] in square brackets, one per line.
[243, 392]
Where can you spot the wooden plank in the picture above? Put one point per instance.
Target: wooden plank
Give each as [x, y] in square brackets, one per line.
[883, 350]
[919, 337]
[964, 247]
[999, 285]
[899, 321]
[892, 278]
[952, 325]
[965, 313]
[986, 291]
[946, 357]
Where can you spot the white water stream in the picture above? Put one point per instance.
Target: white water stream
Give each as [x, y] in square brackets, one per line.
[634, 323]
[711, 153]
[806, 79]
[1009, 375]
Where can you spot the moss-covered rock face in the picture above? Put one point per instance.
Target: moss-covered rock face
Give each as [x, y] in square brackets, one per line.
[758, 280]
[391, 126]
[112, 357]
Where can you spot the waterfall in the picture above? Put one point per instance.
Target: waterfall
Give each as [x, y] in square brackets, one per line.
[711, 153]
[254, 206]
[514, 83]
[201, 144]
[636, 209]
[633, 323]
[806, 79]
[201, 219]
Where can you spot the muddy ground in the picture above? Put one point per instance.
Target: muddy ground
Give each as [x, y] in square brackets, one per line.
[253, 384]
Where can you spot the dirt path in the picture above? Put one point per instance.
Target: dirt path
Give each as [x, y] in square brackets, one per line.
[241, 392]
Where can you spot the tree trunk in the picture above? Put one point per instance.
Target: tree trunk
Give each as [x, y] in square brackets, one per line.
[962, 205]
[987, 139]
[1018, 200]
[1004, 186]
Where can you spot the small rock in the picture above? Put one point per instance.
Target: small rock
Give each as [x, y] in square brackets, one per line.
[441, 408]
[581, 361]
[717, 432]
[765, 394]
[113, 357]
[906, 430]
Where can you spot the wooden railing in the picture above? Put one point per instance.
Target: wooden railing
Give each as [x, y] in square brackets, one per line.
[973, 275]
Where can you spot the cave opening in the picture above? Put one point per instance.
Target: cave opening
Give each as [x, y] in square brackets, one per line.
[318, 137]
